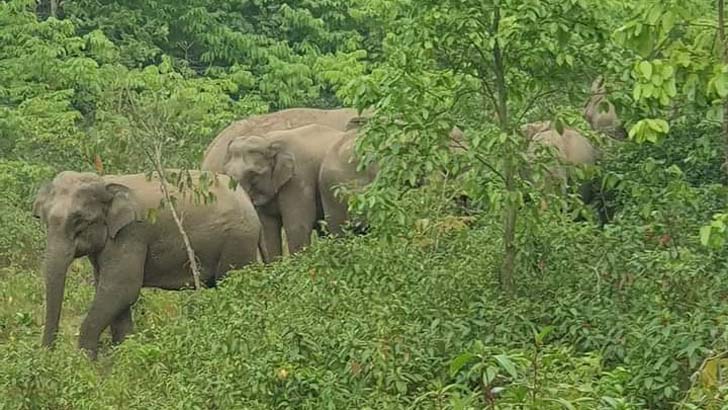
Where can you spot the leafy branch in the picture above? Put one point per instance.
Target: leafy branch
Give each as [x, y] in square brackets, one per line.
[150, 139]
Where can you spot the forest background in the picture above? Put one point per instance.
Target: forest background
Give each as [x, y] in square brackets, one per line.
[512, 306]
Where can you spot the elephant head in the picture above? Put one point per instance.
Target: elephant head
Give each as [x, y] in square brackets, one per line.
[600, 112]
[81, 212]
[260, 166]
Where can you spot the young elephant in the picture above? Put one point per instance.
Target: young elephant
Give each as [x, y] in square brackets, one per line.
[105, 219]
[339, 167]
[600, 113]
[280, 173]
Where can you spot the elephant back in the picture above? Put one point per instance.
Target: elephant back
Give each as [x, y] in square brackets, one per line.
[264, 124]
[228, 197]
[572, 147]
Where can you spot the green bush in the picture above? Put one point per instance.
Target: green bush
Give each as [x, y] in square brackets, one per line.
[366, 323]
[21, 238]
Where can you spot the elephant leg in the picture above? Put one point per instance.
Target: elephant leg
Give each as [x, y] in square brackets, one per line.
[320, 230]
[335, 211]
[298, 211]
[95, 265]
[236, 253]
[107, 306]
[605, 207]
[272, 234]
[586, 192]
[120, 280]
[336, 217]
[121, 326]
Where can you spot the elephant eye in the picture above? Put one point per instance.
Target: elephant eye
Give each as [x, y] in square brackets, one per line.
[79, 222]
[80, 225]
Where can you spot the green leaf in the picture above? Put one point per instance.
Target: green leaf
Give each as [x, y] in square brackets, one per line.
[705, 233]
[659, 125]
[507, 365]
[459, 362]
[646, 69]
[563, 403]
[489, 375]
[541, 336]
[721, 85]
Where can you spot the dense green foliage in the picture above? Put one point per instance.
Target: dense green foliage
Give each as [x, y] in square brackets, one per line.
[415, 315]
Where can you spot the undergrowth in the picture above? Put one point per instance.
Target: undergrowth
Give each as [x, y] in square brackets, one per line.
[367, 323]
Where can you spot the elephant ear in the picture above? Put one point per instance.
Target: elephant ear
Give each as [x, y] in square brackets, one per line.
[227, 150]
[40, 199]
[284, 165]
[122, 209]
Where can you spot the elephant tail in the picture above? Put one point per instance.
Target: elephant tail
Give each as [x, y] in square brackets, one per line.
[262, 248]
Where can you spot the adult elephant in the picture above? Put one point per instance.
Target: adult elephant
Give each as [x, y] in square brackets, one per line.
[340, 167]
[280, 172]
[214, 158]
[600, 113]
[105, 219]
[572, 149]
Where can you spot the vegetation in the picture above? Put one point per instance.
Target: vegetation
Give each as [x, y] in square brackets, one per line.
[515, 305]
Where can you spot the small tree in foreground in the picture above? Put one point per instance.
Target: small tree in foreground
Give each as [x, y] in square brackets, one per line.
[149, 135]
[488, 67]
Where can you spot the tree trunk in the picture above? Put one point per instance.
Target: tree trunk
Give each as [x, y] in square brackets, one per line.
[509, 171]
[723, 43]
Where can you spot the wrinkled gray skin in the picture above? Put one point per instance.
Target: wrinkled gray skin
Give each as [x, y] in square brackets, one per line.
[261, 125]
[600, 113]
[104, 218]
[339, 168]
[280, 172]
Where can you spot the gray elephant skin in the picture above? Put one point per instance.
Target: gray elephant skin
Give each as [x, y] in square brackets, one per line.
[601, 114]
[572, 149]
[106, 219]
[340, 168]
[214, 157]
[280, 172]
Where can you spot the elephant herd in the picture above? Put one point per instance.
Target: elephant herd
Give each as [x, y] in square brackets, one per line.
[273, 171]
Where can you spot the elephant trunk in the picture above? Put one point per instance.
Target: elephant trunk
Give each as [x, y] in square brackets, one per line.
[264, 255]
[59, 256]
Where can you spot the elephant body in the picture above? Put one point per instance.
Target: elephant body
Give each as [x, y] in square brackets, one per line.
[339, 167]
[280, 172]
[601, 114]
[214, 158]
[572, 149]
[108, 219]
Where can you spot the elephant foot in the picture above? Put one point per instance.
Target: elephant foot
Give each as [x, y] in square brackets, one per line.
[91, 353]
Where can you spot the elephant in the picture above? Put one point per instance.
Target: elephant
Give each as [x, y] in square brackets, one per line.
[215, 154]
[572, 149]
[339, 167]
[110, 219]
[601, 114]
[280, 172]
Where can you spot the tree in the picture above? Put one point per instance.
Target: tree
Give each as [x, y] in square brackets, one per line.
[680, 73]
[488, 67]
